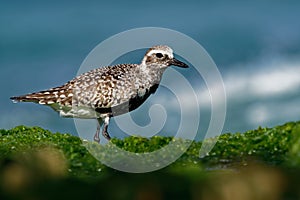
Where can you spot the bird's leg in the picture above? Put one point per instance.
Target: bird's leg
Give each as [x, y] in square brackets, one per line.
[104, 131]
[96, 136]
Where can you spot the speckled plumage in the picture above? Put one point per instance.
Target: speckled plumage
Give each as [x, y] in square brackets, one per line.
[108, 91]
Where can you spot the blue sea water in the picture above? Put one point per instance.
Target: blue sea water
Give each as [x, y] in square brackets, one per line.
[255, 45]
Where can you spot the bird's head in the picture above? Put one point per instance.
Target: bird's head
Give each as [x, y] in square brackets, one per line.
[161, 56]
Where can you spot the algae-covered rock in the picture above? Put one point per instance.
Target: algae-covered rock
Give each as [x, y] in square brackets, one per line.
[257, 164]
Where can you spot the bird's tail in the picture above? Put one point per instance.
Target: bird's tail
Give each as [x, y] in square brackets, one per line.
[45, 97]
[33, 97]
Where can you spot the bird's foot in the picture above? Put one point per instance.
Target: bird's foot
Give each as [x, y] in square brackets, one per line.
[106, 135]
[97, 138]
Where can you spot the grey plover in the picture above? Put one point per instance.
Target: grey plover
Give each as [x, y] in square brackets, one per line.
[107, 91]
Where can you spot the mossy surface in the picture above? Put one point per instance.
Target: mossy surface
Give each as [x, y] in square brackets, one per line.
[35, 162]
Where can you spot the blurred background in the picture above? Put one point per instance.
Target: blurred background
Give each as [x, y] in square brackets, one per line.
[255, 45]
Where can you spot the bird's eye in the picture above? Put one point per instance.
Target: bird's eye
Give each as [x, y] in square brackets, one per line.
[159, 55]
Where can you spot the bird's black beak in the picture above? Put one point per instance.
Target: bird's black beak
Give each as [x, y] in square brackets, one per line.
[178, 63]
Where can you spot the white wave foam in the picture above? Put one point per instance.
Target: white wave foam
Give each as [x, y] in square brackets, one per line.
[261, 97]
